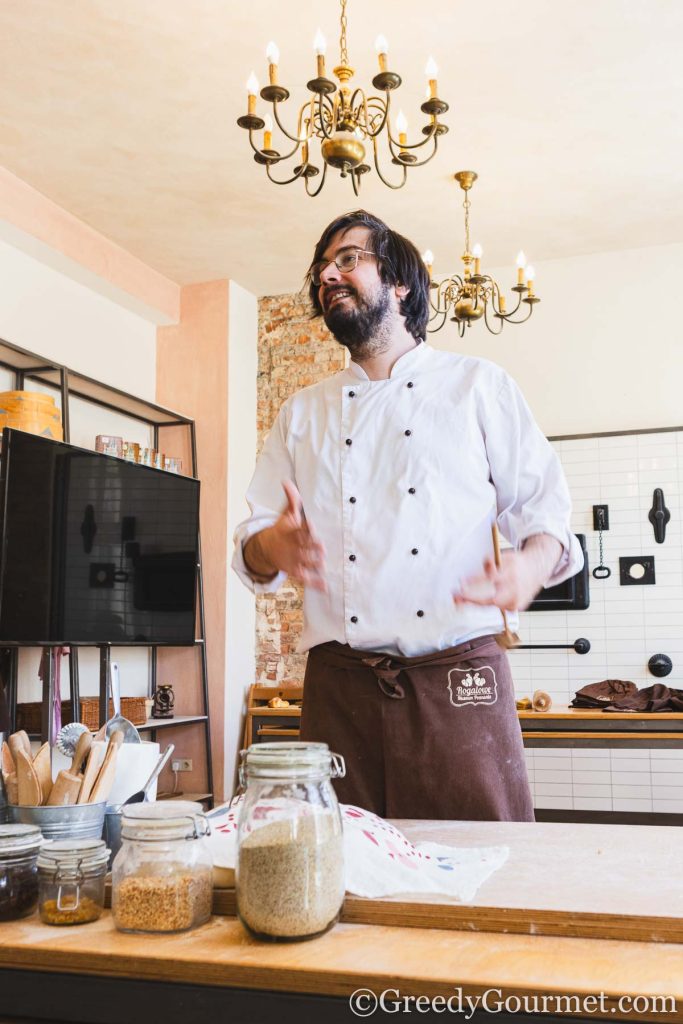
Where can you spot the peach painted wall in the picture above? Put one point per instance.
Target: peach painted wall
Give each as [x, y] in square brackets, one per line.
[47, 232]
[192, 376]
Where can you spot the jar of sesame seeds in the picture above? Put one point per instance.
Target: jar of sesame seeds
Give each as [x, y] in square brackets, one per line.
[162, 875]
[290, 852]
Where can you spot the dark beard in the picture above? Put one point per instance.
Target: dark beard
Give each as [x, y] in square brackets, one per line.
[363, 328]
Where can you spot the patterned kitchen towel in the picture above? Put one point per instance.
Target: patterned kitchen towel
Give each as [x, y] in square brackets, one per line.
[379, 860]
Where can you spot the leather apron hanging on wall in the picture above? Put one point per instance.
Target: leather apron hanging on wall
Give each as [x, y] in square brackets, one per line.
[435, 736]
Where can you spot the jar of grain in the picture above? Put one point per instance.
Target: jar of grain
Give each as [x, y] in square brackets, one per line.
[19, 846]
[162, 875]
[71, 875]
[290, 854]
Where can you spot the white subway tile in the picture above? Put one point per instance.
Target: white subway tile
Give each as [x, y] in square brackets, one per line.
[632, 792]
[592, 803]
[551, 789]
[668, 764]
[667, 779]
[620, 778]
[599, 791]
[631, 804]
[593, 777]
[560, 803]
[554, 777]
[631, 764]
[667, 806]
[667, 754]
[629, 754]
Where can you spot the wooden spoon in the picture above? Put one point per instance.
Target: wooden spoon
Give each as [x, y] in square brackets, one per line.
[20, 741]
[92, 770]
[28, 784]
[65, 789]
[81, 753]
[42, 766]
[507, 639]
[9, 775]
[105, 779]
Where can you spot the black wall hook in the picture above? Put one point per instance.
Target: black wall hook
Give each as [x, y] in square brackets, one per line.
[659, 515]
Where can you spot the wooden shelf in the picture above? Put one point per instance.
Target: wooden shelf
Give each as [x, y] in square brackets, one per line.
[194, 797]
[165, 723]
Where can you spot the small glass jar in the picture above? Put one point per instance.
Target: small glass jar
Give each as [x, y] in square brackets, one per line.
[290, 851]
[72, 874]
[162, 877]
[19, 846]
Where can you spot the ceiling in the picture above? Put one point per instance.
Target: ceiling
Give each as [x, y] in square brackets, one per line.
[124, 114]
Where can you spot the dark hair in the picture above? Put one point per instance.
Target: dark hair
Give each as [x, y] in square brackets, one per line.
[401, 265]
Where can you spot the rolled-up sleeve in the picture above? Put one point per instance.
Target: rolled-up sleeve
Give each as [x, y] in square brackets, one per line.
[266, 500]
[532, 492]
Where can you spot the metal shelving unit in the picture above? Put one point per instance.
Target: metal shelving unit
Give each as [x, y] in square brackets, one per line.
[72, 384]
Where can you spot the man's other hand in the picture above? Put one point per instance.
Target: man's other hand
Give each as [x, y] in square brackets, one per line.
[514, 584]
[290, 545]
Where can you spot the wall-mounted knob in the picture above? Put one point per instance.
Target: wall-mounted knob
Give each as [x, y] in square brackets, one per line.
[660, 665]
[659, 515]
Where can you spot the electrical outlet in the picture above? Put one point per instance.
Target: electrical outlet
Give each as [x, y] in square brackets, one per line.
[181, 764]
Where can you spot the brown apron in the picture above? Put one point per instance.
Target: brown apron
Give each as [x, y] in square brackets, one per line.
[436, 736]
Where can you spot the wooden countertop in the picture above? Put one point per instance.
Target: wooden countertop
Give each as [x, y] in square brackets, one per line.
[417, 961]
[583, 714]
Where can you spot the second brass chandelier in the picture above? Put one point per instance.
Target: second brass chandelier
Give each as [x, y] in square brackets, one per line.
[473, 296]
[343, 119]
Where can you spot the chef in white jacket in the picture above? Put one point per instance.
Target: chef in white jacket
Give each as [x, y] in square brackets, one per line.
[377, 489]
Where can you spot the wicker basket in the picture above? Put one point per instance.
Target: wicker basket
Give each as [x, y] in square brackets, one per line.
[133, 708]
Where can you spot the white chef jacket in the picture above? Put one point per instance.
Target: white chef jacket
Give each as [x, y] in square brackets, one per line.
[401, 480]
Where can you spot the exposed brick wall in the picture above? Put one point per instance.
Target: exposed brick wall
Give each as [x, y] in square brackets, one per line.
[293, 352]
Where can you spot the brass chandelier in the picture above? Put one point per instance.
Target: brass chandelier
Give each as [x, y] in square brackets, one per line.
[476, 296]
[342, 119]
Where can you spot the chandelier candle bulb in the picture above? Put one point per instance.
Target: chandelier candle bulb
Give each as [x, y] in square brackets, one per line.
[273, 58]
[402, 128]
[477, 252]
[428, 258]
[501, 303]
[252, 92]
[320, 47]
[268, 133]
[521, 264]
[530, 275]
[431, 71]
[382, 48]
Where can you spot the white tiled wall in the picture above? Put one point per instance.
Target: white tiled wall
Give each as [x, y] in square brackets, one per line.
[626, 625]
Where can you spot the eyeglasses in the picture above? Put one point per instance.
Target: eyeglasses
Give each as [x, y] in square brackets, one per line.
[345, 261]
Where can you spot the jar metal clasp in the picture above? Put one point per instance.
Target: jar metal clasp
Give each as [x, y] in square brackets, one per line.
[72, 885]
[196, 834]
[338, 770]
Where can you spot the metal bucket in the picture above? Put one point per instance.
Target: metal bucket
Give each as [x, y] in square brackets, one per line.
[74, 821]
[112, 830]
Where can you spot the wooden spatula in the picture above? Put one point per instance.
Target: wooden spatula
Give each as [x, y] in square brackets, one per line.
[28, 785]
[9, 774]
[20, 741]
[507, 639]
[81, 753]
[92, 770]
[105, 780]
[43, 769]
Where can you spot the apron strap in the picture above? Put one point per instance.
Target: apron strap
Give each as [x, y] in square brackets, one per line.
[386, 673]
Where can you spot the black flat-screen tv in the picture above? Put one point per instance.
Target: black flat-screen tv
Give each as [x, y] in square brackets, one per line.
[94, 549]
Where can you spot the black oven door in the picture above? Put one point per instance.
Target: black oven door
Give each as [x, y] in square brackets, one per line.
[572, 595]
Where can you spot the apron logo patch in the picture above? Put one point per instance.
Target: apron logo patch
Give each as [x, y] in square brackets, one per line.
[472, 686]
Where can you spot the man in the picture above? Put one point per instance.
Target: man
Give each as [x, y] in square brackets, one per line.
[393, 472]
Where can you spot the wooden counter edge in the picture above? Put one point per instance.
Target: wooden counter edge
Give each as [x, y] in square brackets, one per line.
[215, 956]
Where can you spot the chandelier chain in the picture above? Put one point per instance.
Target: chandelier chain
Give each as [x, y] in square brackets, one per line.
[466, 206]
[344, 57]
